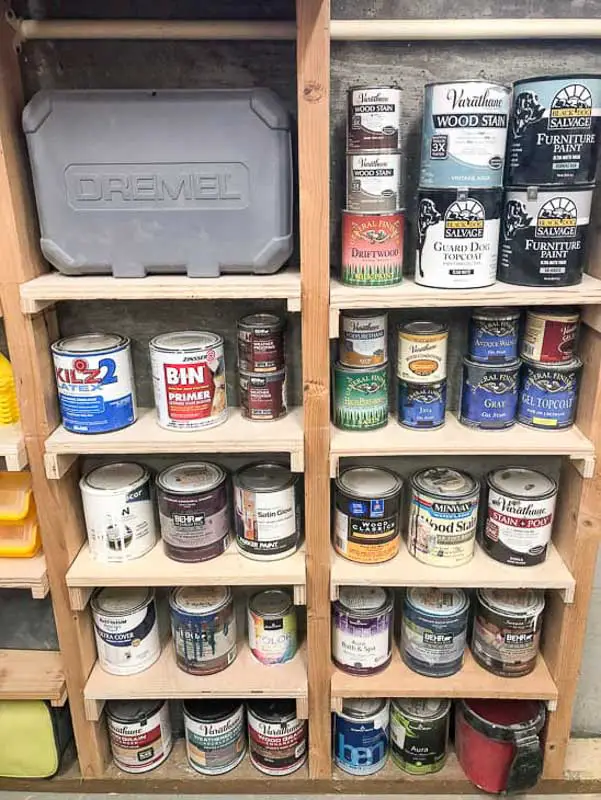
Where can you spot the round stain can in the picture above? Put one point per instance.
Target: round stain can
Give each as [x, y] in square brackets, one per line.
[443, 516]
[139, 733]
[549, 394]
[360, 397]
[362, 629]
[261, 347]
[555, 129]
[263, 397]
[367, 506]
[543, 236]
[434, 630]
[489, 394]
[519, 516]
[119, 512]
[126, 629]
[422, 405]
[272, 635]
[506, 631]
[372, 248]
[494, 335]
[203, 626]
[464, 134]
[194, 511]
[363, 339]
[374, 118]
[188, 378]
[362, 735]
[550, 335]
[457, 237]
[422, 352]
[419, 734]
[95, 382]
[373, 181]
[277, 738]
[267, 511]
[215, 733]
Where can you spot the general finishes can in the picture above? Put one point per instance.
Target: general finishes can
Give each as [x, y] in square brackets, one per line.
[363, 339]
[373, 181]
[215, 734]
[361, 735]
[139, 733]
[272, 635]
[489, 394]
[277, 738]
[549, 394]
[360, 397]
[422, 351]
[494, 335]
[550, 335]
[419, 734]
[372, 248]
[362, 629]
[374, 118]
[261, 347]
[421, 405]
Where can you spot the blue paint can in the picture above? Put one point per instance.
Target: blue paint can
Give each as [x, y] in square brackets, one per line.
[549, 394]
[494, 335]
[489, 394]
[422, 405]
[362, 735]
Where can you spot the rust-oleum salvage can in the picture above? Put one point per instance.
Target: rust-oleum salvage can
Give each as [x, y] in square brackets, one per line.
[374, 118]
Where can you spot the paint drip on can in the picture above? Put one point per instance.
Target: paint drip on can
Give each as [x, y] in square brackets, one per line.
[360, 397]
[422, 405]
[361, 735]
[362, 629]
[139, 733]
[549, 394]
[272, 635]
[261, 347]
[263, 397]
[489, 394]
[494, 335]
[550, 335]
[277, 739]
[363, 339]
[373, 181]
[215, 735]
[374, 118]
[419, 734]
[372, 248]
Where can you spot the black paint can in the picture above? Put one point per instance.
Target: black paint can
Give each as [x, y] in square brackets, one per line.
[549, 394]
[419, 734]
[489, 394]
[422, 405]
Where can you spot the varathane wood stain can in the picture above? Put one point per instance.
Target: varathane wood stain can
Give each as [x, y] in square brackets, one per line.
[419, 734]
[277, 738]
[272, 635]
[374, 118]
[215, 732]
[362, 629]
[360, 397]
[550, 335]
[139, 733]
[372, 248]
[422, 352]
[549, 394]
[261, 347]
[421, 405]
[489, 394]
[363, 339]
[373, 181]
[494, 335]
[361, 735]
[263, 397]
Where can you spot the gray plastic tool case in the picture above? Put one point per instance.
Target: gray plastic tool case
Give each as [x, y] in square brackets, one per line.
[132, 182]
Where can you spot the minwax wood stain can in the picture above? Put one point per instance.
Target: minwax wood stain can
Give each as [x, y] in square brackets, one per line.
[362, 629]
[139, 733]
[373, 181]
[374, 118]
[277, 738]
[215, 733]
[372, 248]
[419, 734]
[363, 339]
[360, 397]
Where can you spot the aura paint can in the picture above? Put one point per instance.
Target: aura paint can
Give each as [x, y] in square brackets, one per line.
[489, 394]
[361, 735]
[549, 394]
[362, 629]
[215, 733]
[422, 351]
[372, 248]
[263, 397]
[277, 738]
[139, 733]
[419, 734]
[272, 634]
[374, 118]
[421, 405]
[373, 181]
[494, 335]
[360, 397]
[550, 335]
[261, 345]
[363, 339]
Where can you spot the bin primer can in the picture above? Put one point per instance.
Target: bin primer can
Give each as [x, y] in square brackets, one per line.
[422, 351]
[215, 733]
[363, 339]
[494, 335]
[489, 394]
[372, 248]
[550, 335]
[419, 734]
[361, 735]
[421, 405]
[139, 733]
[374, 118]
[277, 739]
[261, 346]
[373, 181]
[362, 629]
[549, 394]
[272, 635]
[360, 397]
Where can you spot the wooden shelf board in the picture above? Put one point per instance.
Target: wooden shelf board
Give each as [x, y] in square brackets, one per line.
[12, 447]
[32, 675]
[25, 573]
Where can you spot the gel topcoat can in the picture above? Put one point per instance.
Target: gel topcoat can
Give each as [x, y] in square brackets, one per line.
[139, 733]
[374, 118]
[549, 394]
[362, 629]
[215, 732]
[363, 339]
[277, 738]
[361, 735]
[489, 394]
[360, 397]
[373, 181]
[494, 335]
[419, 734]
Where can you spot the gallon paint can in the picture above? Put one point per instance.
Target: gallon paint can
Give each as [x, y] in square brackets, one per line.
[373, 181]
[261, 346]
[549, 394]
[494, 335]
[194, 511]
[489, 394]
[367, 505]
[519, 516]
[188, 378]
[263, 397]
[362, 735]
[362, 629]
[95, 382]
[374, 118]
[550, 335]
[277, 739]
[267, 511]
[457, 237]
[422, 351]
[372, 248]
[434, 630]
[443, 516]
[506, 631]
[139, 733]
[421, 405]
[543, 235]
[360, 397]
[203, 626]
[215, 733]
[119, 512]
[363, 339]
[464, 134]
[555, 129]
[419, 734]
[126, 629]
[272, 636]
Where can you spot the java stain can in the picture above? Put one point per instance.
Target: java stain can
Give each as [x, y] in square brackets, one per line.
[422, 405]
[464, 134]
[363, 339]
[373, 181]
[361, 735]
[139, 733]
[215, 733]
[374, 118]
[94, 379]
[372, 248]
[263, 397]
[550, 335]
[494, 335]
[277, 739]
[457, 237]
[362, 629]
[549, 394]
[419, 734]
[489, 394]
[422, 352]
[555, 130]
[272, 635]
[543, 236]
[360, 397]
[261, 347]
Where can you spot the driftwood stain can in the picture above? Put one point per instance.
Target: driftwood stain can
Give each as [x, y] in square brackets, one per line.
[363, 339]
[263, 397]
[277, 738]
[139, 733]
[419, 734]
[421, 405]
[374, 118]
[360, 397]
[215, 734]
[372, 248]
[422, 351]
[272, 634]
[494, 335]
[550, 335]
[549, 394]
[489, 394]
[361, 735]
[373, 181]
[362, 629]
[261, 347]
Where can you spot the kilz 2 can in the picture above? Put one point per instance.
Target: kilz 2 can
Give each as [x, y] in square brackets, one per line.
[419, 734]
[363, 339]
[366, 514]
[422, 405]
[549, 394]
[493, 335]
[457, 237]
[94, 378]
[261, 347]
[272, 636]
[550, 335]
[519, 516]
[277, 739]
[543, 236]
[263, 397]
[489, 394]
[373, 181]
[361, 735]
[360, 397]
[362, 629]
[372, 248]
[188, 377]
[555, 130]
[422, 352]
[215, 732]
[374, 118]
[139, 733]
[434, 630]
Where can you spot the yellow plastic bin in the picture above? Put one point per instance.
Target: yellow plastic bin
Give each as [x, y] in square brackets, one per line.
[19, 531]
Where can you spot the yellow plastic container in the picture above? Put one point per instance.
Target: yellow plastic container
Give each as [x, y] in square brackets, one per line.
[9, 408]
[15, 496]
[19, 531]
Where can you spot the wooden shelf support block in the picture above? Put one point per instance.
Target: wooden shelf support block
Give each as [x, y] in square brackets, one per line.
[584, 466]
[79, 598]
[297, 460]
[334, 322]
[302, 707]
[300, 595]
[58, 464]
[94, 709]
[293, 304]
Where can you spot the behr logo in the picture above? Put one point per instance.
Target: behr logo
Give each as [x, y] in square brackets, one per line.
[572, 107]
[557, 218]
[464, 220]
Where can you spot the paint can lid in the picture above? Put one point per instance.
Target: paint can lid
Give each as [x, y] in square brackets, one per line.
[513, 602]
[124, 476]
[423, 327]
[363, 707]
[480, 83]
[565, 313]
[271, 603]
[444, 482]
[576, 79]
[363, 313]
[496, 314]
[364, 599]
[419, 708]
[371, 87]
[508, 366]
[115, 601]
[96, 343]
[262, 321]
[264, 477]
[437, 602]
[521, 483]
[199, 599]
[186, 341]
[214, 710]
[273, 710]
[369, 482]
[128, 711]
[574, 364]
[191, 477]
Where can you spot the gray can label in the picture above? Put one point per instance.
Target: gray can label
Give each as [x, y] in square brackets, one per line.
[373, 182]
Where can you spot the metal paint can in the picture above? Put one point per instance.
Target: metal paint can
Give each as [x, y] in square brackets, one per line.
[372, 248]
[519, 516]
[506, 631]
[362, 629]
[422, 405]
[277, 739]
[543, 235]
[550, 335]
[434, 630]
[126, 629]
[464, 134]
[363, 339]
[360, 397]
[272, 635]
[203, 626]
[419, 734]
[119, 512]
[457, 237]
[188, 378]
[367, 505]
[549, 394]
[267, 511]
[194, 511]
[215, 734]
[494, 335]
[362, 735]
[489, 394]
[555, 130]
[374, 118]
[139, 733]
[422, 351]
[95, 382]
[443, 516]
[263, 397]
[261, 346]
[373, 181]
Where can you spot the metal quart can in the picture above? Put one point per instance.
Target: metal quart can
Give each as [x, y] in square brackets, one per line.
[360, 397]
[489, 394]
[372, 248]
[95, 383]
[494, 335]
[422, 351]
[139, 733]
[215, 732]
[272, 636]
[361, 735]
[261, 345]
[363, 339]
[549, 394]
[550, 335]
[421, 405]
[374, 118]
[373, 181]
[277, 739]
[419, 734]
[263, 397]
[362, 629]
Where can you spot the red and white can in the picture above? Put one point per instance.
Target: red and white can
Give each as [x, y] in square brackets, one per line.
[139, 733]
[550, 335]
[372, 248]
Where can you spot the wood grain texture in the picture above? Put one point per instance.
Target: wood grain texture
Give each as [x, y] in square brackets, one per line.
[32, 675]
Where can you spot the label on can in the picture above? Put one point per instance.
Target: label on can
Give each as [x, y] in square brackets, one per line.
[494, 339]
[418, 740]
[139, 745]
[422, 405]
[550, 337]
[360, 397]
[374, 118]
[549, 395]
[361, 644]
[127, 643]
[215, 746]
[361, 742]
[489, 395]
[277, 748]
[272, 640]
[373, 182]
[372, 249]
[266, 522]
[261, 346]
[363, 340]
[263, 397]
[422, 353]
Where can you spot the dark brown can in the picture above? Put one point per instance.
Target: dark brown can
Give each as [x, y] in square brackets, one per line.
[261, 343]
[263, 397]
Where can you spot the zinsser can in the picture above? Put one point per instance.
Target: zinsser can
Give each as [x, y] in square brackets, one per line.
[361, 735]
[374, 118]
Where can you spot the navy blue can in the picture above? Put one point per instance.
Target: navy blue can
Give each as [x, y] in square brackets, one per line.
[422, 405]
[549, 394]
[362, 735]
[494, 335]
[489, 394]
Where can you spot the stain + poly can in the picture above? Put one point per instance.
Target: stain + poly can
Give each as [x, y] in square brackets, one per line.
[362, 629]
[272, 636]
[261, 347]
[277, 739]
[361, 735]
[215, 733]
[550, 335]
[360, 397]
[263, 397]
[372, 248]
[363, 339]
[374, 118]
[549, 394]
[422, 351]
[419, 734]
[494, 335]
[489, 394]
[373, 181]
[421, 405]
[139, 733]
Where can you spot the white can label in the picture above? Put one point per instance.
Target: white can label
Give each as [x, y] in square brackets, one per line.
[373, 182]
[215, 747]
[422, 358]
[141, 746]
[442, 532]
[363, 341]
[266, 522]
[518, 531]
[129, 643]
[361, 645]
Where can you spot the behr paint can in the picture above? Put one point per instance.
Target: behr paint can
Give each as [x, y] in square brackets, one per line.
[139, 733]
[119, 512]
[489, 394]
[272, 635]
[421, 405]
[374, 118]
[422, 351]
[362, 735]
[363, 339]
[372, 248]
[550, 335]
[360, 397]
[263, 397]
[494, 335]
[362, 629]
[261, 347]
[373, 181]
[549, 394]
[215, 734]
[277, 739]
[419, 734]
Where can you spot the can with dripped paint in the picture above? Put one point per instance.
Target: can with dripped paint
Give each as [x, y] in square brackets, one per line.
[362, 629]
[272, 635]
[549, 394]
[489, 394]
[550, 335]
[363, 339]
[139, 733]
[419, 734]
[361, 735]
[360, 397]
[215, 733]
[494, 335]
[261, 347]
[263, 397]
[373, 181]
[421, 405]
[422, 351]
[372, 248]
[277, 738]
[374, 118]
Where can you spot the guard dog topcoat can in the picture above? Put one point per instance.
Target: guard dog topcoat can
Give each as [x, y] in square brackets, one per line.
[361, 735]
[550, 335]
[419, 734]
[215, 733]
[374, 118]
[549, 394]
[139, 733]
[277, 738]
[363, 339]
[362, 629]
[493, 335]
[373, 181]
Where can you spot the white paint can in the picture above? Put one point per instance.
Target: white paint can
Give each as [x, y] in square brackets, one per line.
[139, 733]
